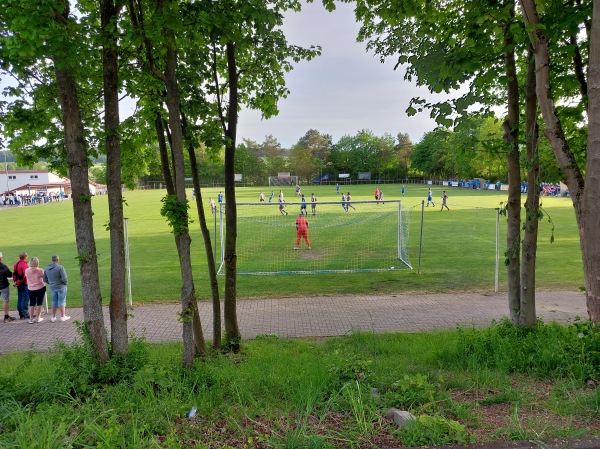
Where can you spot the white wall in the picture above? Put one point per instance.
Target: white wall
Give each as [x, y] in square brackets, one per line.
[19, 178]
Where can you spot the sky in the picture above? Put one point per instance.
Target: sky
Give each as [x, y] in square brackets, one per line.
[341, 92]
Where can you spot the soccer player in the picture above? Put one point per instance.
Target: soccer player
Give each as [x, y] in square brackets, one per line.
[220, 198]
[303, 210]
[337, 188]
[213, 208]
[403, 190]
[261, 197]
[271, 196]
[348, 199]
[313, 203]
[444, 198]
[282, 206]
[376, 193]
[430, 198]
[344, 202]
[301, 231]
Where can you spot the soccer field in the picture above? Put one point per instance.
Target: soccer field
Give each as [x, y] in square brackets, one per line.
[458, 252]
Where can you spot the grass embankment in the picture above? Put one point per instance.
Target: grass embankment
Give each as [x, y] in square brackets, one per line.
[501, 383]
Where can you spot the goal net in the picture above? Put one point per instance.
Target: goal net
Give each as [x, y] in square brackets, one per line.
[368, 236]
[283, 181]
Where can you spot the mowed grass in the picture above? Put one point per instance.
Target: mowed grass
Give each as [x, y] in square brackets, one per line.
[458, 251]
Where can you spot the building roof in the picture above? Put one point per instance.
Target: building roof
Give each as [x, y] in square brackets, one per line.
[13, 172]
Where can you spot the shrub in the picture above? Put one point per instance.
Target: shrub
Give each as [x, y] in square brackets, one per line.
[427, 430]
[546, 351]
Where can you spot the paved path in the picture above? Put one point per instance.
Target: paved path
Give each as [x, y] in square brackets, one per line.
[304, 317]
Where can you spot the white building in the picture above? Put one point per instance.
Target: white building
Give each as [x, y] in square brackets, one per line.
[14, 179]
[31, 183]
[43, 182]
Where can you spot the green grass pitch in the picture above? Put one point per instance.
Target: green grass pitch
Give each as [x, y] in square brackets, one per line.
[458, 251]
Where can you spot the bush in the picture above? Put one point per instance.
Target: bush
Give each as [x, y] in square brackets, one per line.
[80, 374]
[546, 351]
[427, 430]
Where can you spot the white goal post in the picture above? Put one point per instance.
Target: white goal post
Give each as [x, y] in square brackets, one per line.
[362, 236]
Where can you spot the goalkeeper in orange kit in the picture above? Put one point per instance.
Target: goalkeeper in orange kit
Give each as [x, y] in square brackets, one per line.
[301, 231]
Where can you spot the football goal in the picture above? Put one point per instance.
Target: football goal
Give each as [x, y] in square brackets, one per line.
[362, 237]
[283, 181]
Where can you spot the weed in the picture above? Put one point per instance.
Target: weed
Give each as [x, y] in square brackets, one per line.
[428, 430]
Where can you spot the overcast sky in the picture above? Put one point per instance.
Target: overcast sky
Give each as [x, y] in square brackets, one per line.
[340, 92]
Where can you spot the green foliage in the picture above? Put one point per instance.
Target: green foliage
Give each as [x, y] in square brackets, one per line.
[548, 350]
[349, 367]
[410, 392]
[428, 430]
[362, 406]
[176, 213]
[277, 393]
[80, 372]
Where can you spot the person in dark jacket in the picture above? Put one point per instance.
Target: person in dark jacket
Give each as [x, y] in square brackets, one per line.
[5, 276]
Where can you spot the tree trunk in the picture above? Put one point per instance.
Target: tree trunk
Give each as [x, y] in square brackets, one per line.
[210, 258]
[193, 338]
[584, 196]
[532, 204]
[164, 155]
[118, 303]
[232, 331]
[513, 205]
[82, 209]
[590, 227]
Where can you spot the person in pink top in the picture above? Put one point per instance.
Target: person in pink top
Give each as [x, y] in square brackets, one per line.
[37, 289]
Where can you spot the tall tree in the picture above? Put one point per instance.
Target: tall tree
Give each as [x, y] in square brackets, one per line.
[441, 43]
[249, 55]
[158, 54]
[584, 190]
[404, 149]
[109, 12]
[77, 158]
[43, 42]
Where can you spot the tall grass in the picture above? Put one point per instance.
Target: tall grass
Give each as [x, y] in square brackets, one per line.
[331, 393]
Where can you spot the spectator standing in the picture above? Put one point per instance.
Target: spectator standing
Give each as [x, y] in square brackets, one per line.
[56, 276]
[37, 289]
[5, 276]
[21, 284]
